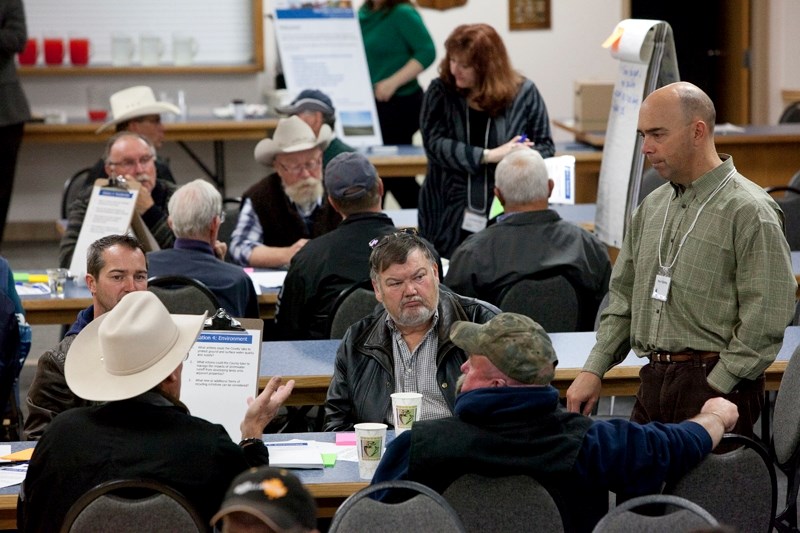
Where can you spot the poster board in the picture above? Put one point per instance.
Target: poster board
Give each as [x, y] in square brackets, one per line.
[646, 53]
[110, 211]
[561, 169]
[221, 372]
[321, 48]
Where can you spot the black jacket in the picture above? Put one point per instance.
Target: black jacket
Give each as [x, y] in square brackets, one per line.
[146, 437]
[363, 375]
[321, 270]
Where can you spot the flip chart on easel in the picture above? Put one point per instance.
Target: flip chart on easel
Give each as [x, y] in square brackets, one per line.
[110, 211]
[646, 53]
[221, 372]
[321, 48]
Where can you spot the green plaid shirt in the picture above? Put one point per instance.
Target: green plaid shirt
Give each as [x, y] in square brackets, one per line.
[732, 288]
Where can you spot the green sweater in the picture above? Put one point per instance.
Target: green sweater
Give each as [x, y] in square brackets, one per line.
[336, 147]
[393, 37]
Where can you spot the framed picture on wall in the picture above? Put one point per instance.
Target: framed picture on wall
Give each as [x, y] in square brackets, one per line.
[528, 14]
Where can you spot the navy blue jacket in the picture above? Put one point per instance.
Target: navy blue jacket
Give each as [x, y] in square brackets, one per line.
[615, 455]
[195, 259]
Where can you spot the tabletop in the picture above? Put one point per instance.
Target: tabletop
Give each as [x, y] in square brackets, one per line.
[329, 486]
[46, 309]
[310, 364]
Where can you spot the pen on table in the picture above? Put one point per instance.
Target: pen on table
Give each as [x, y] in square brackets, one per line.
[523, 138]
[287, 444]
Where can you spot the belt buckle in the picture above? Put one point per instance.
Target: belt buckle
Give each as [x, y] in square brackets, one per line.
[662, 357]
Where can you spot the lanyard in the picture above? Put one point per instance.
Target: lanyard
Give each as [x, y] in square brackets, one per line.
[683, 240]
[485, 171]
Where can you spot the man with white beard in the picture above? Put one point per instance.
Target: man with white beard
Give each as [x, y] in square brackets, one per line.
[282, 211]
[406, 347]
[132, 156]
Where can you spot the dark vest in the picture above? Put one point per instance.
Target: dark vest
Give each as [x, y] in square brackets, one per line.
[544, 448]
[281, 223]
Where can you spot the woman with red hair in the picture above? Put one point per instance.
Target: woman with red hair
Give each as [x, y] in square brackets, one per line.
[476, 112]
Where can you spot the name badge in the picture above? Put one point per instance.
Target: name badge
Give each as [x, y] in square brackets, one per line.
[473, 222]
[661, 288]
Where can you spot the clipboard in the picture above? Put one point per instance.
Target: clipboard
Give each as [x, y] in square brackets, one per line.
[111, 211]
[222, 370]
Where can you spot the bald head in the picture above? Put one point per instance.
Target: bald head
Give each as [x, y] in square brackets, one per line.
[694, 103]
[676, 123]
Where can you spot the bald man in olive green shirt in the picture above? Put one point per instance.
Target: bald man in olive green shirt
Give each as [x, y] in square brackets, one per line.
[703, 285]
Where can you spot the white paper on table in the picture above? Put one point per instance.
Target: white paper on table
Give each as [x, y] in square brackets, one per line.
[32, 289]
[13, 475]
[347, 453]
[269, 279]
[727, 127]
[294, 454]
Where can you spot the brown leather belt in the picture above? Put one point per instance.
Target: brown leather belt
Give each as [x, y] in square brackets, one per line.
[681, 357]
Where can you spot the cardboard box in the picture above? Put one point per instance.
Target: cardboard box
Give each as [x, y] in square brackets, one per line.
[592, 104]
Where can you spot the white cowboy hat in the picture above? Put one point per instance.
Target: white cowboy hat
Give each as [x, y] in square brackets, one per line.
[291, 135]
[130, 349]
[135, 102]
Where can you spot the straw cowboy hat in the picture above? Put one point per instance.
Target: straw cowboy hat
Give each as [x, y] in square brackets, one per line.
[291, 135]
[135, 102]
[130, 349]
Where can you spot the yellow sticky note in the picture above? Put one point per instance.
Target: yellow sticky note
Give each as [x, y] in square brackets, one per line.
[22, 455]
[613, 39]
[38, 278]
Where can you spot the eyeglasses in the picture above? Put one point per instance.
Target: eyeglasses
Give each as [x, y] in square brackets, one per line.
[296, 170]
[130, 164]
[222, 217]
[400, 234]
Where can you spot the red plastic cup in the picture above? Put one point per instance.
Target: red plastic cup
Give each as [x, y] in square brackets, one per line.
[98, 115]
[97, 102]
[30, 54]
[53, 50]
[79, 51]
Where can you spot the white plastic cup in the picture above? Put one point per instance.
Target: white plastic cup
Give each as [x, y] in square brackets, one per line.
[184, 48]
[405, 409]
[57, 280]
[121, 50]
[181, 103]
[370, 441]
[151, 48]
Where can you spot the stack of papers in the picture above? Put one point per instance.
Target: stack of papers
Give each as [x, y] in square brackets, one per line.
[32, 289]
[266, 279]
[294, 454]
[14, 473]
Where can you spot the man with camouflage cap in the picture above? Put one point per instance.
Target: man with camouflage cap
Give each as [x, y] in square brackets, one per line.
[508, 421]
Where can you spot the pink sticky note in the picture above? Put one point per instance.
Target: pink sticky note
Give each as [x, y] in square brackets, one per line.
[346, 438]
[249, 270]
